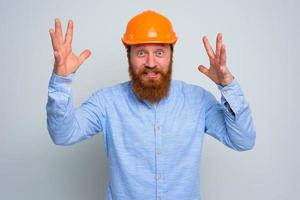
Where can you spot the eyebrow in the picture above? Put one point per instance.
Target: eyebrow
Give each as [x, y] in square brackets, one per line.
[161, 47]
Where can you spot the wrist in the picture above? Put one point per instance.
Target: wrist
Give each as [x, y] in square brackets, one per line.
[61, 71]
[226, 81]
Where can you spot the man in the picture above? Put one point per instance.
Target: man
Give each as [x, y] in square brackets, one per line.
[153, 126]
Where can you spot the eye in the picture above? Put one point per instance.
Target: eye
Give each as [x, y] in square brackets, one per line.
[159, 53]
[141, 53]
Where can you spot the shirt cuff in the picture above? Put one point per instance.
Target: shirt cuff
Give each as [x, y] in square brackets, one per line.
[61, 83]
[232, 97]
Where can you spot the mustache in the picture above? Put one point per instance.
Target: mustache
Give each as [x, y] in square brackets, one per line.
[152, 69]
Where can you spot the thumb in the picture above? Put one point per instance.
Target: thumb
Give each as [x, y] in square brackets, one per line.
[203, 70]
[83, 56]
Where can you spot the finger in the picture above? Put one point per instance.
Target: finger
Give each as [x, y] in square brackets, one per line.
[223, 56]
[83, 56]
[53, 40]
[58, 31]
[209, 50]
[69, 33]
[218, 45]
[203, 70]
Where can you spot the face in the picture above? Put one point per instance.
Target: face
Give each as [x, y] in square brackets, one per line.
[150, 67]
[150, 59]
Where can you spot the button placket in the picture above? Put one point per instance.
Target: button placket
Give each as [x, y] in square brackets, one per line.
[158, 159]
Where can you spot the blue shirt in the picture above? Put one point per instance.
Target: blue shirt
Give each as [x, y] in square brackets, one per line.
[154, 150]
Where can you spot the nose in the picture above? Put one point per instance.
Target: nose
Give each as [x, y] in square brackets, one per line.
[150, 62]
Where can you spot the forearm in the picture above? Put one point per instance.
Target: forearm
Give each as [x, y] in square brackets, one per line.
[231, 121]
[240, 133]
[61, 119]
[238, 118]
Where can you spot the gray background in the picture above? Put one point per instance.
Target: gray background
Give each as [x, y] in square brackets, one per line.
[262, 39]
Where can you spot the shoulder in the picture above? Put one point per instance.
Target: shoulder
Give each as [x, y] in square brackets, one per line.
[191, 94]
[187, 89]
[114, 92]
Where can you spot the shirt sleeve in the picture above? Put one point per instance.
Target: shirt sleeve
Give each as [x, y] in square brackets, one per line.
[66, 124]
[231, 120]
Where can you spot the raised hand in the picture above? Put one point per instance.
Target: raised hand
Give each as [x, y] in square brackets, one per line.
[66, 62]
[218, 71]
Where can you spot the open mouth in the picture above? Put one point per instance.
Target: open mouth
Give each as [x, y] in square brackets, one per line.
[151, 74]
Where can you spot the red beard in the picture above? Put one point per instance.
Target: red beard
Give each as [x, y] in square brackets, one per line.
[152, 90]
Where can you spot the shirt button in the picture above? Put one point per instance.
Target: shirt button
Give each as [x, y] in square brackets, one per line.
[224, 92]
[158, 177]
[157, 127]
[157, 152]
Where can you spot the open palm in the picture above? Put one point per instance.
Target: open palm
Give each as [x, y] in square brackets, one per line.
[66, 62]
[218, 71]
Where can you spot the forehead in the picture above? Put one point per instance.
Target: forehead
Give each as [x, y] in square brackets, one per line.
[150, 46]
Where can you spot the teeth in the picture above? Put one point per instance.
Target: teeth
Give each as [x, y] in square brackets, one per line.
[151, 74]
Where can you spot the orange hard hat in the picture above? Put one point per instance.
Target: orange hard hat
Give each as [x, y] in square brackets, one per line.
[149, 27]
